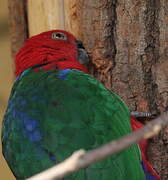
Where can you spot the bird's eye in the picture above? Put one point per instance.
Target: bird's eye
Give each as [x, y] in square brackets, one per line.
[58, 35]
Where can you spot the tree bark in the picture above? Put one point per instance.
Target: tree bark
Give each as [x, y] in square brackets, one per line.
[128, 43]
[18, 24]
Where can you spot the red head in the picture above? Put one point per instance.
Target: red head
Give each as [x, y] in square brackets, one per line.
[56, 49]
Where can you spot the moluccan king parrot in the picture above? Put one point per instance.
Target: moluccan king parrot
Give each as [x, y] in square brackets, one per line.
[56, 108]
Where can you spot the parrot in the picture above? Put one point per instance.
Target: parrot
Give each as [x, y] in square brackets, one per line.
[57, 107]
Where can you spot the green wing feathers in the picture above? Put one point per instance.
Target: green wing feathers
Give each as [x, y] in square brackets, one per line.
[54, 113]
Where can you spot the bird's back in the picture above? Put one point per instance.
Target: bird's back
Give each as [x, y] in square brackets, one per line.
[53, 113]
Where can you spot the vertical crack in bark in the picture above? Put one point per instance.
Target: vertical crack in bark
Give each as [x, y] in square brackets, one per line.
[25, 6]
[113, 31]
[151, 51]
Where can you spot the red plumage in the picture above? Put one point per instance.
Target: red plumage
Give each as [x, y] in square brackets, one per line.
[42, 49]
[136, 125]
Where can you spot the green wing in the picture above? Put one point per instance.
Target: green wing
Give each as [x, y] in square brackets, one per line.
[54, 113]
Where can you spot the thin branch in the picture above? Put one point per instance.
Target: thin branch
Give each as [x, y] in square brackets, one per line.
[81, 159]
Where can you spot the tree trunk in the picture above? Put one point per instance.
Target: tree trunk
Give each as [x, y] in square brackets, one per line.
[18, 24]
[128, 43]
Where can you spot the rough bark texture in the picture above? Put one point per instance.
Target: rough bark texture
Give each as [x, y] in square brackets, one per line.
[128, 43]
[18, 24]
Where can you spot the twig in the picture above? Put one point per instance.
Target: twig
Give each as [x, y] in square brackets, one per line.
[81, 159]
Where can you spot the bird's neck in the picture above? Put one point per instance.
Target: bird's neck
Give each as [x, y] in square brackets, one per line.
[49, 59]
[60, 65]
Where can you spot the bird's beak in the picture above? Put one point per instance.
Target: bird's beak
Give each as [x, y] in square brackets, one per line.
[80, 44]
[83, 56]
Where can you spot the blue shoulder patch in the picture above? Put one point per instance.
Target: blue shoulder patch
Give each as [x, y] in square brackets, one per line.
[30, 125]
[31, 129]
[63, 74]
